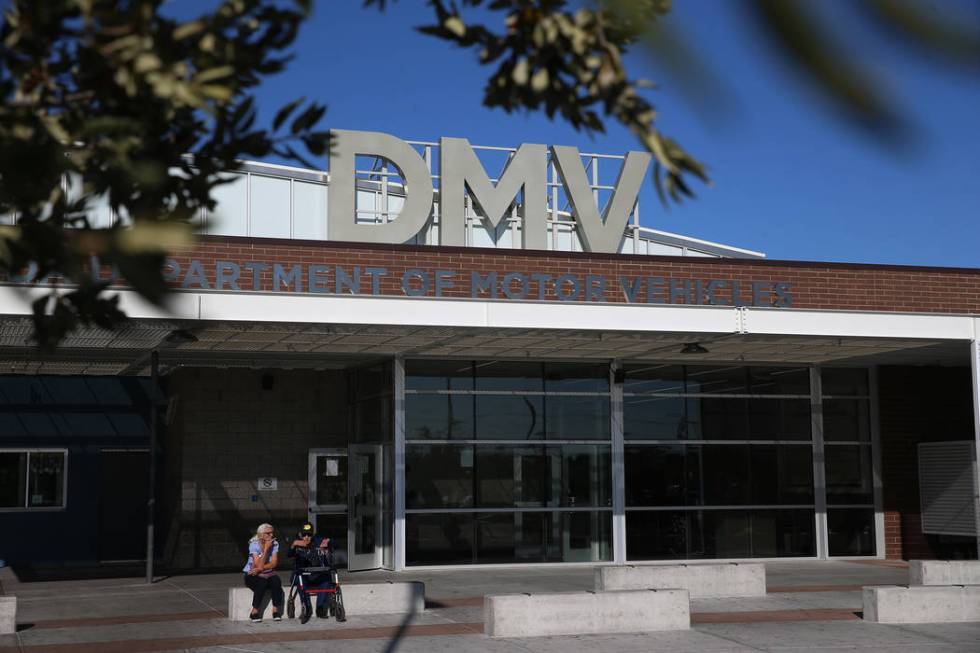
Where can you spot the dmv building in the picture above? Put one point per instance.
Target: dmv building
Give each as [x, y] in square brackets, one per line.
[439, 367]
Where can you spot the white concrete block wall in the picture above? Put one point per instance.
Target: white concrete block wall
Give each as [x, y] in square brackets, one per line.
[227, 433]
[701, 580]
[581, 613]
[359, 599]
[896, 604]
[944, 572]
[8, 615]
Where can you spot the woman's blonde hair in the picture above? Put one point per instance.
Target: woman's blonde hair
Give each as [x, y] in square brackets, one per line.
[261, 527]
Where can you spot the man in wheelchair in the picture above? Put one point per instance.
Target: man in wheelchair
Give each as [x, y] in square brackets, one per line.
[314, 573]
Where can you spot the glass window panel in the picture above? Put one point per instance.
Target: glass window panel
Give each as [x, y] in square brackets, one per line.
[851, 531]
[509, 376]
[372, 420]
[110, 391]
[576, 377]
[663, 475]
[441, 539]
[665, 535]
[725, 475]
[654, 378]
[844, 381]
[725, 534]
[509, 417]
[439, 476]
[331, 489]
[46, 480]
[720, 419]
[21, 390]
[10, 425]
[230, 214]
[782, 474]
[573, 417]
[537, 477]
[439, 417]
[716, 380]
[779, 380]
[438, 375]
[41, 424]
[13, 479]
[543, 537]
[69, 390]
[658, 535]
[846, 420]
[130, 424]
[370, 381]
[779, 419]
[655, 418]
[96, 424]
[585, 474]
[848, 471]
[782, 533]
[309, 210]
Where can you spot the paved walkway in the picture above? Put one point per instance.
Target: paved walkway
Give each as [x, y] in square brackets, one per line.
[810, 606]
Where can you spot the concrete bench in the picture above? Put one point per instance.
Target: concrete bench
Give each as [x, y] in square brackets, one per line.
[582, 613]
[944, 572]
[8, 615]
[896, 604]
[359, 599]
[701, 581]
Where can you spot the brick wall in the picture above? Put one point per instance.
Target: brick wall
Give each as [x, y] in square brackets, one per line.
[227, 432]
[813, 285]
[918, 404]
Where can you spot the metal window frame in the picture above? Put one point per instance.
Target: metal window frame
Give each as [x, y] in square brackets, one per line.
[27, 479]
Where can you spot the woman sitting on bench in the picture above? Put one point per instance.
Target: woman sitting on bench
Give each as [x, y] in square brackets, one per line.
[260, 572]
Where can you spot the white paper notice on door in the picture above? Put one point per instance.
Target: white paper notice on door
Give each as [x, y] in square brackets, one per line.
[331, 467]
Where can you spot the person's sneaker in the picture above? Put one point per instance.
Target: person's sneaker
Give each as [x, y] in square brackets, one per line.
[276, 616]
[255, 617]
[321, 612]
[305, 615]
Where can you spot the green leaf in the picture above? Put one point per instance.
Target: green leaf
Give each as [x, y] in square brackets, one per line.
[283, 114]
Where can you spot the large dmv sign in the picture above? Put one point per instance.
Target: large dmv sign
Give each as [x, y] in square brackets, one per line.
[461, 170]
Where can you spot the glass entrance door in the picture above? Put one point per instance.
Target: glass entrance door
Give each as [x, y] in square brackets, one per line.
[328, 479]
[366, 533]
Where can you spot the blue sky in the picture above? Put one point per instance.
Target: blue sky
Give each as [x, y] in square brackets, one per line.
[790, 178]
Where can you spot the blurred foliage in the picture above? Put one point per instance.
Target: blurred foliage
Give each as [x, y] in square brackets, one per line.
[566, 58]
[110, 100]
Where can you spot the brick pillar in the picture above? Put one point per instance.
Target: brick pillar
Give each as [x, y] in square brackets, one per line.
[918, 404]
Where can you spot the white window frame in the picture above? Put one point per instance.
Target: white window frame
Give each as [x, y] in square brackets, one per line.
[27, 480]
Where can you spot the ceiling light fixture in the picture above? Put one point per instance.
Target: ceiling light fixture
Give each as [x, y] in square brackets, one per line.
[693, 348]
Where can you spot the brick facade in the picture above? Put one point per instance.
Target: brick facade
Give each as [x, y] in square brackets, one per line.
[812, 285]
[226, 432]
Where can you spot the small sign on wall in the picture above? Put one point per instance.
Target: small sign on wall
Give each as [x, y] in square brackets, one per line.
[268, 484]
[331, 467]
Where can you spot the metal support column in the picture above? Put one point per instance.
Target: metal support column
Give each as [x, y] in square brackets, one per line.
[975, 367]
[876, 468]
[399, 529]
[819, 475]
[618, 464]
[151, 497]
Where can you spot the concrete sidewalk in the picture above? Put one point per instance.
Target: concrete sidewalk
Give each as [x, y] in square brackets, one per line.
[810, 606]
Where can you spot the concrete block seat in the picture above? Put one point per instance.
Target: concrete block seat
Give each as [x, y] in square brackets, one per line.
[920, 604]
[944, 572]
[583, 613]
[700, 580]
[359, 599]
[8, 615]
